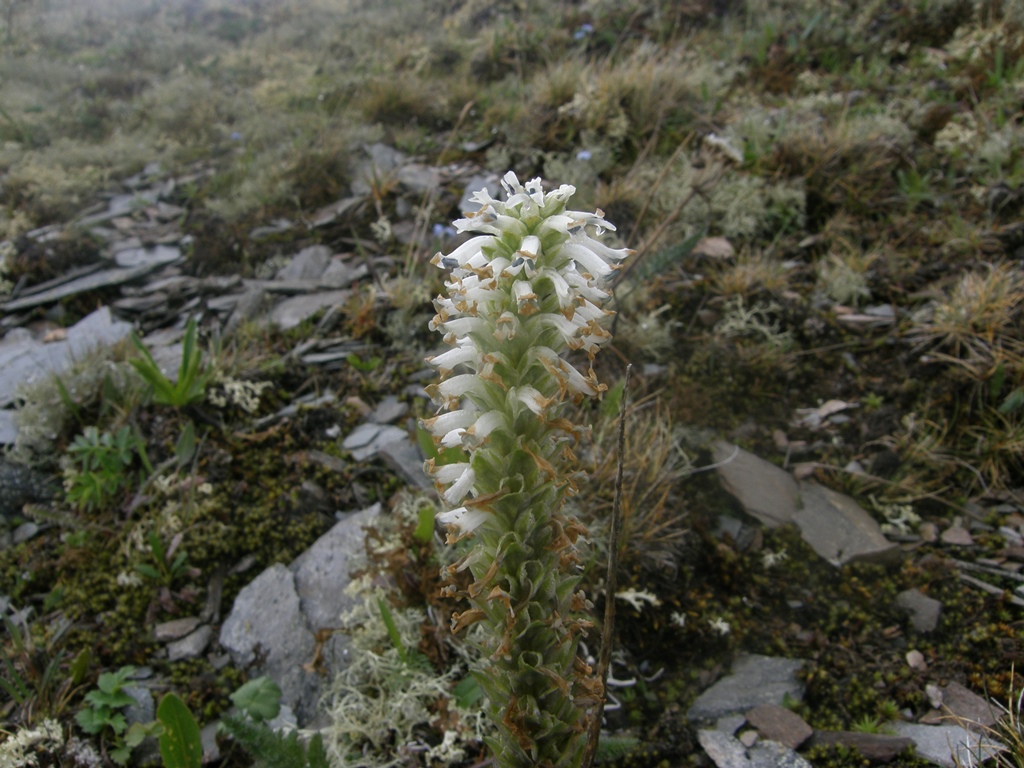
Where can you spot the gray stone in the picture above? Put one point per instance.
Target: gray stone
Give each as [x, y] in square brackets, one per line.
[100, 279]
[948, 745]
[730, 723]
[339, 274]
[490, 182]
[24, 360]
[388, 410]
[307, 264]
[755, 680]
[191, 645]
[144, 708]
[839, 529]
[405, 458]
[175, 629]
[8, 433]
[766, 492]
[24, 532]
[293, 311]
[279, 612]
[924, 611]
[153, 257]
[878, 747]
[957, 704]
[724, 750]
[779, 724]
[366, 440]
[325, 565]
[21, 485]
[208, 737]
[267, 619]
[417, 177]
[771, 754]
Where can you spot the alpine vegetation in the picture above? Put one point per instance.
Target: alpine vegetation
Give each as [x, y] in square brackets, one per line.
[521, 293]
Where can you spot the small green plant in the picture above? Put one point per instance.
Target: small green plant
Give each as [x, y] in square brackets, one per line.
[34, 677]
[192, 379]
[163, 570]
[260, 701]
[180, 744]
[102, 466]
[102, 715]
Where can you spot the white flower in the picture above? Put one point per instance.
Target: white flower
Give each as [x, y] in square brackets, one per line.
[462, 521]
[721, 626]
[678, 619]
[637, 599]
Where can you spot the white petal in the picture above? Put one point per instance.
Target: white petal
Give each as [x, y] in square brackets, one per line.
[531, 398]
[586, 258]
[462, 486]
[449, 473]
[530, 247]
[466, 352]
[464, 520]
[465, 252]
[444, 423]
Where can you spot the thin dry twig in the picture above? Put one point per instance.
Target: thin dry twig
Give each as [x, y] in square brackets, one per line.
[611, 582]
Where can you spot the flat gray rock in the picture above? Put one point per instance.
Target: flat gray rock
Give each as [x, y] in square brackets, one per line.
[21, 485]
[102, 279]
[724, 750]
[307, 264]
[321, 568]
[924, 611]
[948, 745]
[405, 458]
[267, 619]
[755, 680]
[491, 182]
[155, 256]
[280, 611]
[24, 359]
[766, 492]
[8, 433]
[839, 529]
[366, 440]
[771, 754]
[388, 410]
[293, 311]
[191, 645]
[877, 747]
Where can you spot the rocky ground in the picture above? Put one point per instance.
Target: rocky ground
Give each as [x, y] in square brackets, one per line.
[823, 557]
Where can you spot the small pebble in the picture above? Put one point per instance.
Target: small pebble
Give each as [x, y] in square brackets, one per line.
[915, 660]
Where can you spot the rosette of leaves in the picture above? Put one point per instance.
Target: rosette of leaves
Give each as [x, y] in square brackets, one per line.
[521, 294]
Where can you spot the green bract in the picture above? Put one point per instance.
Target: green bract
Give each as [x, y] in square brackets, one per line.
[521, 294]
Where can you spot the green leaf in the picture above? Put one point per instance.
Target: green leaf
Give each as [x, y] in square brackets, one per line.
[185, 448]
[112, 682]
[424, 524]
[317, 753]
[80, 666]
[259, 698]
[148, 571]
[121, 754]
[180, 745]
[389, 622]
[90, 720]
[1013, 401]
[467, 693]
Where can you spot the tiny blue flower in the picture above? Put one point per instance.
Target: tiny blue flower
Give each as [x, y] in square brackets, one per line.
[583, 154]
[236, 136]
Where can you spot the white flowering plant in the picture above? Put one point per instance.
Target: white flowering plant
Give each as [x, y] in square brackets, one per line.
[522, 292]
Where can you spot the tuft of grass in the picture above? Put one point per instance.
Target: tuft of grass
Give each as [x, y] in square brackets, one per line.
[974, 324]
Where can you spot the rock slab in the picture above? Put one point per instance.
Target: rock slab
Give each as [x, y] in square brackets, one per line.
[274, 620]
[755, 680]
